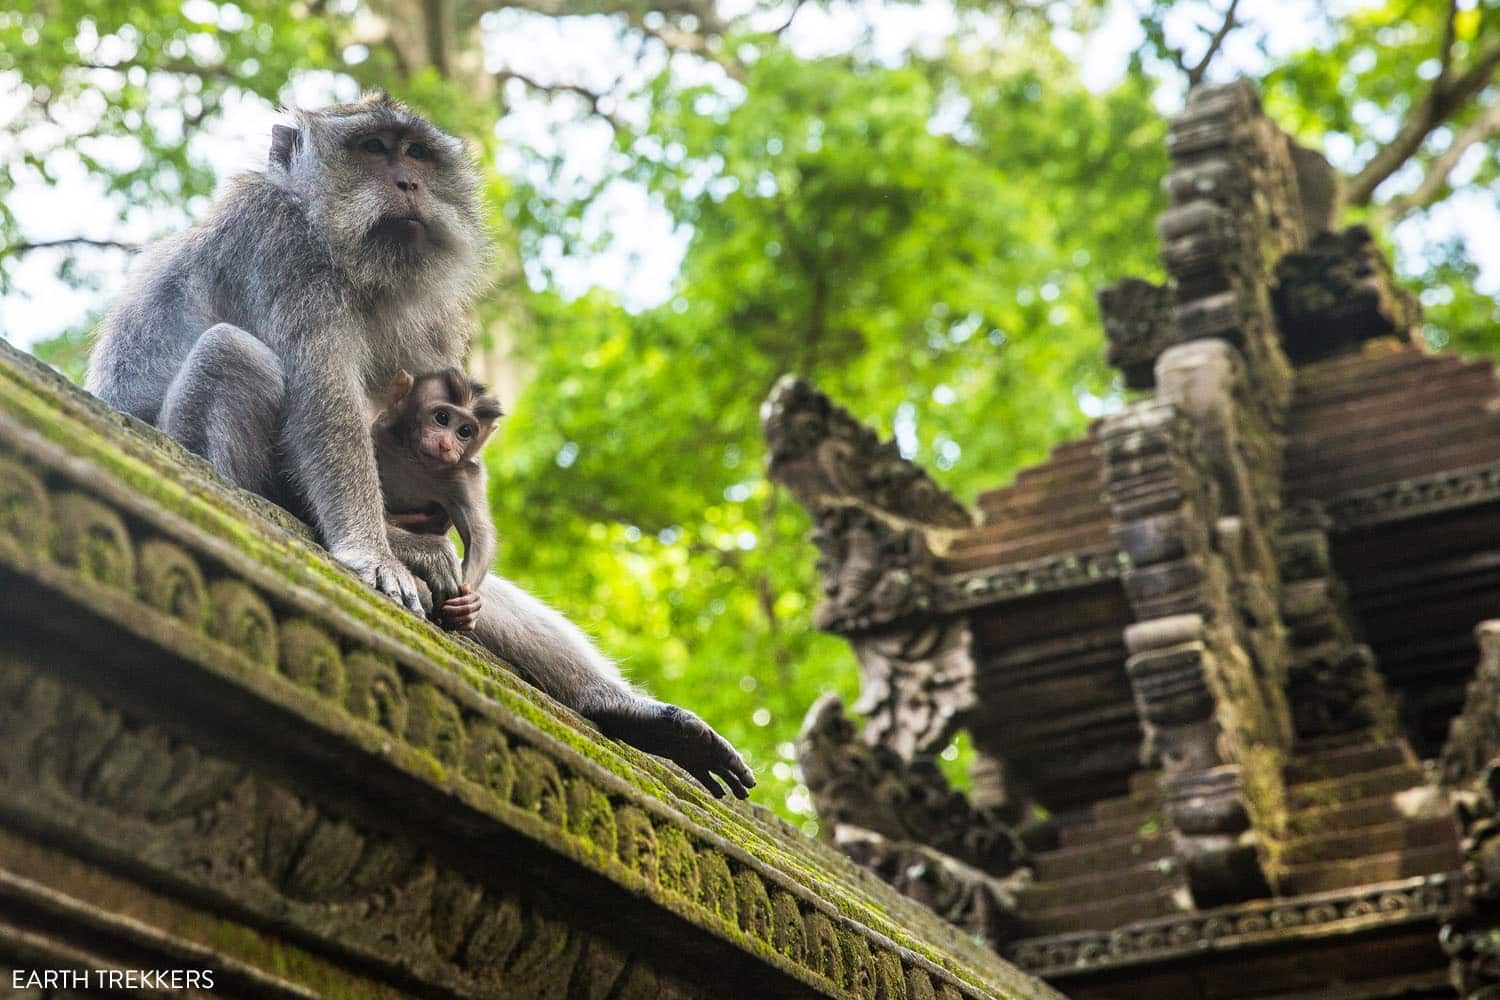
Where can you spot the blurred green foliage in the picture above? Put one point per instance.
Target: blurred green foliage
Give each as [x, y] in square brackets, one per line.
[920, 235]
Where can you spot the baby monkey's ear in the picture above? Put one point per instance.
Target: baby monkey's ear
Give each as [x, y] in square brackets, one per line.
[399, 389]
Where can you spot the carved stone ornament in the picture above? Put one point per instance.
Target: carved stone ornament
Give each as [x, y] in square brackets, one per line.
[1337, 294]
[1474, 735]
[1471, 936]
[821, 453]
[916, 686]
[874, 572]
[964, 896]
[869, 786]
[1414, 498]
[1247, 925]
[871, 508]
[1139, 324]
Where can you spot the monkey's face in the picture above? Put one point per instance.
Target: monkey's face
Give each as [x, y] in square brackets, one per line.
[398, 168]
[448, 434]
[395, 193]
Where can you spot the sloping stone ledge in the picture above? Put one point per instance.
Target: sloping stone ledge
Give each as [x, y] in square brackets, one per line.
[195, 701]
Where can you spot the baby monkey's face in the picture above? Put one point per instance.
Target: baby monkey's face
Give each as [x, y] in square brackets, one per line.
[448, 434]
[443, 416]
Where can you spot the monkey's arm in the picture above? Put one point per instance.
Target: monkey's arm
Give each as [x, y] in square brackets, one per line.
[327, 444]
[470, 510]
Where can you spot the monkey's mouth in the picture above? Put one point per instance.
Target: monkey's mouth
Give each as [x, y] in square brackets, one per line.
[402, 229]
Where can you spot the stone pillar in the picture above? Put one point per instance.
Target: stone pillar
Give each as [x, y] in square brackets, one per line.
[1332, 683]
[1471, 768]
[1206, 708]
[1194, 478]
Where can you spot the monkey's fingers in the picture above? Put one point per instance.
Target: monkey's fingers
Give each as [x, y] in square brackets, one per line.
[731, 779]
[735, 768]
[706, 779]
[399, 587]
[460, 613]
[732, 769]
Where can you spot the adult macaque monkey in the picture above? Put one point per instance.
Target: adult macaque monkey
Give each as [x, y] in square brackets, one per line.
[263, 339]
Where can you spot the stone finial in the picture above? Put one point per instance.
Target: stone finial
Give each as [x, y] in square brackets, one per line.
[821, 453]
[1139, 323]
[1337, 294]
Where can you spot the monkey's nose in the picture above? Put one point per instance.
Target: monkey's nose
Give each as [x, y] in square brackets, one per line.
[407, 186]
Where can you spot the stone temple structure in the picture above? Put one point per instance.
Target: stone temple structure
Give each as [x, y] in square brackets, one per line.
[221, 755]
[1224, 660]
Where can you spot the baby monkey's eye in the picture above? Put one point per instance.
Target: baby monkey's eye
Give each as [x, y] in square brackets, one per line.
[372, 145]
[441, 416]
[466, 431]
[417, 151]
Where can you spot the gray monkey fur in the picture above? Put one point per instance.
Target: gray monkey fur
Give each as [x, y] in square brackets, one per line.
[263, 337]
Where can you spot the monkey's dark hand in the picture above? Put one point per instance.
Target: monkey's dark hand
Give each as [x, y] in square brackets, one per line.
[461, 612]
[385, 573]
[680, 736]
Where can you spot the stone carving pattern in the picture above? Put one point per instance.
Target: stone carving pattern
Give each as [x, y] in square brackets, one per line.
[1193, 933]
[902, 820]
[873, 513]
[91, 769]
[1139, 325]
[873, 572]
[1471, 935]
[964, 896]
[915, 685]
[961, 592]
[1474, 734]
[822, 453]
[854, 783]
[1414, 498]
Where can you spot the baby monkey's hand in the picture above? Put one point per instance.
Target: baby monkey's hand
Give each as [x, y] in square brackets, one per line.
[459, 613]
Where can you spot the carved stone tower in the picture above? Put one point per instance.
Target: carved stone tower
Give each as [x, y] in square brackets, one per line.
[1211, 642]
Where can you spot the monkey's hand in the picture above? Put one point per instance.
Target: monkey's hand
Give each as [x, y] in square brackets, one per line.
[680, 736]
[432, 559]
[385, 573]
[461, 612]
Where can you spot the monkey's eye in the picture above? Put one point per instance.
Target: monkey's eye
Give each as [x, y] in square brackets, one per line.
[373, 145]
[441, 416]
[466, 431]
[417, 151]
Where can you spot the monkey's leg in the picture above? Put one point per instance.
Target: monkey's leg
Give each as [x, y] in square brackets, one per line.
[557, 657]
[225, 404]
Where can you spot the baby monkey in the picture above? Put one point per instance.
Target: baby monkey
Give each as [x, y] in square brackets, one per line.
[427, 442]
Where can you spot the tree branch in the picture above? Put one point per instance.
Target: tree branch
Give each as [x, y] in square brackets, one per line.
[593, 98]
[1480, 130]
[27, 246]
[796, 9]
[1196, 73]
[696, 43]
[1447, 95]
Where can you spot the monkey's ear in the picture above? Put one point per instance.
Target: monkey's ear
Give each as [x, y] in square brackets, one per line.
[399, 389]
[283, 144]
[486, 428]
